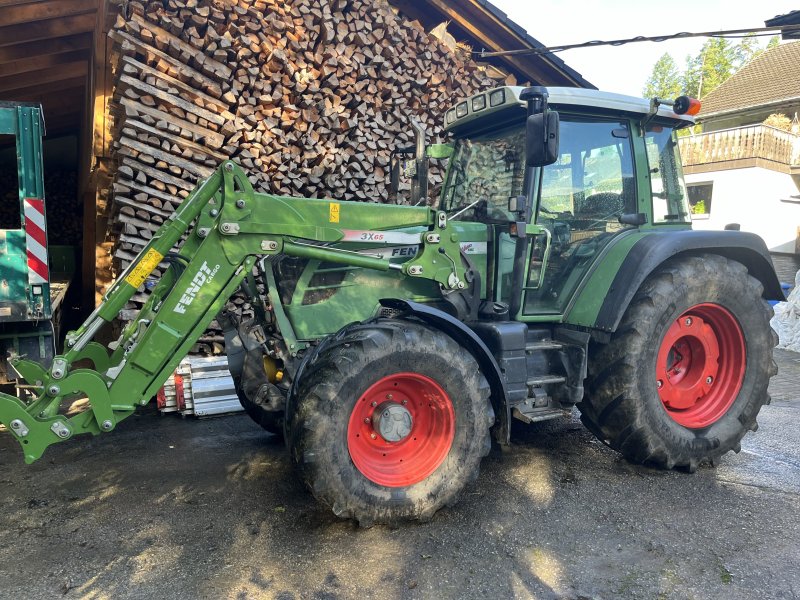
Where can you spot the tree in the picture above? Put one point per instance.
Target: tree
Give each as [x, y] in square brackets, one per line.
[746, 50]
[704, 72]
[774, 41]
[664, 80]
[717, 60]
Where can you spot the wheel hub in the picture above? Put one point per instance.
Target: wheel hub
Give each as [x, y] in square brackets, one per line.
[401, 429]
[700, 365]
[392, 421]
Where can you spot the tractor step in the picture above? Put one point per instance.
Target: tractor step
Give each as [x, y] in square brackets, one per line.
[528, 414]
[542, 345]
[545, 379]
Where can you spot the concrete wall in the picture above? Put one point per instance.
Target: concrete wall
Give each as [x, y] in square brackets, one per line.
[754, 198]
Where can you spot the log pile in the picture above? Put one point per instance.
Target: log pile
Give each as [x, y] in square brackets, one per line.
[309, 97]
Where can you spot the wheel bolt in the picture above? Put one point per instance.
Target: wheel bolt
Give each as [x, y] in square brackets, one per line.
[373, 436]
[709, 380]
[405, 402]
[659, 383]
[366, 419]
[688, 321]
[389, 396]
[374, 404]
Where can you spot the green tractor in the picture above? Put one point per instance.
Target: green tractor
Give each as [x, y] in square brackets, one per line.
[392, 343]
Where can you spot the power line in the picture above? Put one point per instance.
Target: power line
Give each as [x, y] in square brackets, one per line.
[757, 32]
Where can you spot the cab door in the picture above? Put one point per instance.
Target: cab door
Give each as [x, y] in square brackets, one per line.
[581, 197]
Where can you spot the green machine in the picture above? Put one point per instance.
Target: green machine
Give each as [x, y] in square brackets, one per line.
[30, 296]
[392, 343]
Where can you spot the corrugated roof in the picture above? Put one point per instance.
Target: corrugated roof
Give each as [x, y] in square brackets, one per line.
[770, 78]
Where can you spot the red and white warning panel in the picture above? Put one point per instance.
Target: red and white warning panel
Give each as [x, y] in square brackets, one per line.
[36, 240]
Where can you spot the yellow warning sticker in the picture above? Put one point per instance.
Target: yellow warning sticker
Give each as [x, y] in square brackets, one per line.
[144, 268]
[334, 212]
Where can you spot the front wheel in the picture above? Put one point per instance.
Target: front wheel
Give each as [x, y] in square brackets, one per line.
[389, 422]
[684, 376]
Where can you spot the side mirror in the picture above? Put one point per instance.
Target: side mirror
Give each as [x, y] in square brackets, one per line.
[541, 139]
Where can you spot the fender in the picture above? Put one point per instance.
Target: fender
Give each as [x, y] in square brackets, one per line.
[468, 339]
[652, 250]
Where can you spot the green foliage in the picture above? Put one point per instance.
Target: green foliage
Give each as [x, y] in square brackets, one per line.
[774, 41]
[713, 65]
[746, 50]
[717, 60]
[699, 208]
[664, 80]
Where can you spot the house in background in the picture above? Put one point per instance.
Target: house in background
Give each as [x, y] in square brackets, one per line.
[740, 170]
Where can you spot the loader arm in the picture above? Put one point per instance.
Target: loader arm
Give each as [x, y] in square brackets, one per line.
[228, 227]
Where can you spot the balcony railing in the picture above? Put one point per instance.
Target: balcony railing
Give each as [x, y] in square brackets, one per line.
[739, 144]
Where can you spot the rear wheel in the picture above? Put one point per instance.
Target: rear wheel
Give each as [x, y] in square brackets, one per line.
[686, 372]
[389, 422]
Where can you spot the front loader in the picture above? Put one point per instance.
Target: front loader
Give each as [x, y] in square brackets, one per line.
[390, 343]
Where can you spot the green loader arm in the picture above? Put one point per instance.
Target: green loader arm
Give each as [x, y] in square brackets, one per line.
[229, 228]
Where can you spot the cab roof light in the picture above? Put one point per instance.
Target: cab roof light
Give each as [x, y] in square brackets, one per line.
[461, 109]
[451, 116]
[479, 102]
[684, 105]
[497, 97]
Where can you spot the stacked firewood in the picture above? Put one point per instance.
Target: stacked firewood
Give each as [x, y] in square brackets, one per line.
[309, 97]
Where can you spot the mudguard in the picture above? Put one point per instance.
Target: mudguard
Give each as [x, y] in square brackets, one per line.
[652, 250]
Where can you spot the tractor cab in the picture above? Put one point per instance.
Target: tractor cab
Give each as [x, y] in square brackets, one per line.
[612, 168]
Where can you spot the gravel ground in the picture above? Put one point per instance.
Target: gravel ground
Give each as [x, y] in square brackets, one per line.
[172, 508]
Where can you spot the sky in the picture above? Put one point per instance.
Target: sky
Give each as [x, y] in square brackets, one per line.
[624, 69]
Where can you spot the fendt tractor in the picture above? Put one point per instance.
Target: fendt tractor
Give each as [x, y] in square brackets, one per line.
[392, 343]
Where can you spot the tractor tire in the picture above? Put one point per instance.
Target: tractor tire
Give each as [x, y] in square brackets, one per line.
[389, 422]
[685, 374]
[262, 401]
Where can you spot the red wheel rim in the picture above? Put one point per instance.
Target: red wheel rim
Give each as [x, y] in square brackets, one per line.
[700, 365]
[401, 429]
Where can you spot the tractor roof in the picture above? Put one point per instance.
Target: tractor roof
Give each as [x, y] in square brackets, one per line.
[504, 98]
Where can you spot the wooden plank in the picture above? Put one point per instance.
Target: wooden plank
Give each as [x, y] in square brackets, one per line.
[175, 139]
[212, 137]
[38, 63]
[70, 43]
[33, 78]
[171, 99]
[40, 11]
[47, 30]
[121, 199]
[153, 173]
[205, 98]
[168, 158]
[35, 92]
[120, 37]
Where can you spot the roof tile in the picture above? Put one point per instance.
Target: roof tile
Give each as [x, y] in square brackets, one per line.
[771, 77]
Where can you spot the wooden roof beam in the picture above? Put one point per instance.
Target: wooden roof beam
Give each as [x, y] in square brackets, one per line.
[47, 29]
[35, 92]
[23, 50]
[39, 63]
[17, 13]
[33, 78]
